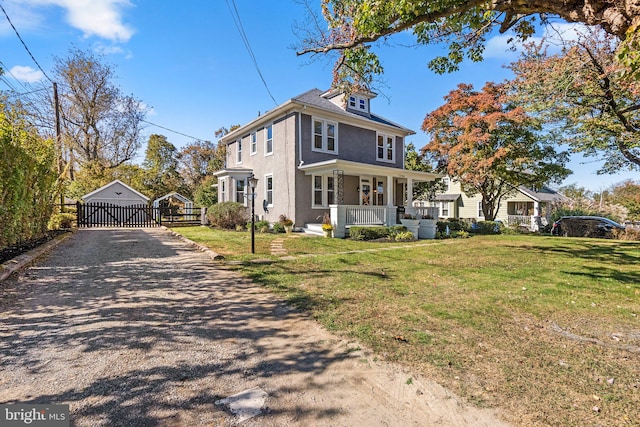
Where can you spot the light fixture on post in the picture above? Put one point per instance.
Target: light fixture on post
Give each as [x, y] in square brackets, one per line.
[253, 181]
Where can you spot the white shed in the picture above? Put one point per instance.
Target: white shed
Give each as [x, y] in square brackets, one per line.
[116, 193]
[187, 209]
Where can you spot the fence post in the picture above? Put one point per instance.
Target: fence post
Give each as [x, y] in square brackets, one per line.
[203, 216]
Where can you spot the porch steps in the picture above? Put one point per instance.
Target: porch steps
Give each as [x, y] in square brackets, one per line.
[315, 229]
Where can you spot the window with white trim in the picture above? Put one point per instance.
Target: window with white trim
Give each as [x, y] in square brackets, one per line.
[240, 191]
[443, 206]
[386, 148]
[254, 143]
[239, 151]
[331, 191]
[324, 191]
[325, 136]
[444, 209]
[446, 182]
[223, 189]
[268, 189]
[317, 190]
[358, 103]
[480, 213]
[268, 140]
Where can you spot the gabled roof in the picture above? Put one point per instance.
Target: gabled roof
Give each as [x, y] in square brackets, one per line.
[313, 98]
[544, 194]
[447, 197]
[112, 183]
[173, 194]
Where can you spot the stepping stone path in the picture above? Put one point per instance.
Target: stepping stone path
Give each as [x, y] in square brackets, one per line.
[277, 247]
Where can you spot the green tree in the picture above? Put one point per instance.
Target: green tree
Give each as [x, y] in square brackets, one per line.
[418, 162]
[161, 166]
[490, 145]
[627, 194]
[199, 160]
[463, 25]
[580, 95]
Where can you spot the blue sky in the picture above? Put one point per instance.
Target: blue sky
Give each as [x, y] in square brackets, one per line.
[188, 63]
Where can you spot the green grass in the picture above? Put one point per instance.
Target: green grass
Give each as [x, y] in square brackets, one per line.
[534, 325]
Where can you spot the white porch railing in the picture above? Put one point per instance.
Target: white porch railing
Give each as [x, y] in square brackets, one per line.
[427, 211]
[519, 221]
[366, 215]
[533, 223]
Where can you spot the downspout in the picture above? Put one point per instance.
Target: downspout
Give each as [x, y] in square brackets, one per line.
[301, 161]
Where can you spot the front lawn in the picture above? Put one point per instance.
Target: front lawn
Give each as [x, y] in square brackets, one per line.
[544, 328]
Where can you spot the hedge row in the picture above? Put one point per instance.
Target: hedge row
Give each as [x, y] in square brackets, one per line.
[26, 181]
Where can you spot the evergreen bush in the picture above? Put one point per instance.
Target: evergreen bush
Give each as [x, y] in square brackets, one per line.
[228, 215]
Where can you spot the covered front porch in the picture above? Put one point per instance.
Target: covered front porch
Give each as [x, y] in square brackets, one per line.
[363, 194]
[532, 215]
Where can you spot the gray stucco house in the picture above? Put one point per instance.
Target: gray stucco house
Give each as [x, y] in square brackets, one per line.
[321, 152]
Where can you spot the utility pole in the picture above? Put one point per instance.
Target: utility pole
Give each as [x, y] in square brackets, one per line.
[56, 104]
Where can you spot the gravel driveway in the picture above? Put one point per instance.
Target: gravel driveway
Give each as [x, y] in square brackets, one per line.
[133, 327]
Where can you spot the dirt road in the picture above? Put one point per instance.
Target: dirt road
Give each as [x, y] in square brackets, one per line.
[132, 327]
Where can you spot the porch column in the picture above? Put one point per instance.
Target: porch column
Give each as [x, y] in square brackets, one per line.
[391, 207]
[390, 195]
[338, 220]
[535, 219]
[409, 208]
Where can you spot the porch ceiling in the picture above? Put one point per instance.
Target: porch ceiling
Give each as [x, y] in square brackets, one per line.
[355, 168]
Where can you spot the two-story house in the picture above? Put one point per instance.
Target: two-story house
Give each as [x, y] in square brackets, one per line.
[523, 207]
[321, 152]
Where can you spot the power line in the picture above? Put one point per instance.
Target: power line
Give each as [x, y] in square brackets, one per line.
[24, 44]
[236, 20]
[5, 68]
[174, 131]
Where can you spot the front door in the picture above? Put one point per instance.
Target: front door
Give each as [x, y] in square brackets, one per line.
[365, 192]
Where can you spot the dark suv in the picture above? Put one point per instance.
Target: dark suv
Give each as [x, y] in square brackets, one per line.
[585, 226]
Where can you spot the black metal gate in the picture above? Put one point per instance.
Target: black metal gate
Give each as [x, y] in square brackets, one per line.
[109, 215]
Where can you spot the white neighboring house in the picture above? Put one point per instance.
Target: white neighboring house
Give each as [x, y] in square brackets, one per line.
[525, 207]
[116, 193]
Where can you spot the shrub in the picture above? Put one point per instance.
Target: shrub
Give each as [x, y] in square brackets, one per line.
[403, 236]
[27, 179]
[228, 215]
[453, 224]
[368, 233]
[628, 234]
[456, 228]
[262, 226]
[61, 220]
[459, 234]
[394, 230]
[487, 227]
[278, 227]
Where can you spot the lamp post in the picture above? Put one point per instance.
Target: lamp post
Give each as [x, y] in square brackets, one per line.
[253, 181]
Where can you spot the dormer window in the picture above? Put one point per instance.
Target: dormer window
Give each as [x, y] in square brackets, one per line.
[358, 103]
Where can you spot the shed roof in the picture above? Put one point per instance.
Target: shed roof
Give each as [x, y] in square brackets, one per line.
[111, 184]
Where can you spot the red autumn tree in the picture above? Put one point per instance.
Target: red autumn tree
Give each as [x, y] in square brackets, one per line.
[490, 145]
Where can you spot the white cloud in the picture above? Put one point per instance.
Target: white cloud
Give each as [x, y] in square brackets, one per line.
[101, 18]
[21, 16]
[104, 49]
[26, 74]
